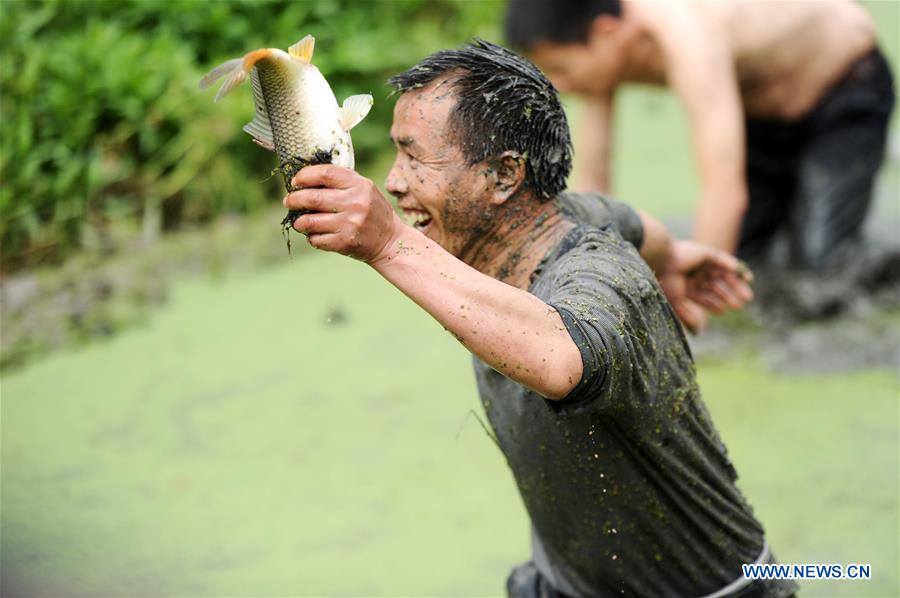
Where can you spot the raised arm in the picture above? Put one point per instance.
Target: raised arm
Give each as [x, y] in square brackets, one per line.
[700, 69]
[594, 145]
[514, 332]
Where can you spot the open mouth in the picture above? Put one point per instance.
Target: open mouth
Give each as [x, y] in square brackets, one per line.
[418, 219]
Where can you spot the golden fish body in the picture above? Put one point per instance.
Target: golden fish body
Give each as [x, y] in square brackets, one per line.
[297, 115]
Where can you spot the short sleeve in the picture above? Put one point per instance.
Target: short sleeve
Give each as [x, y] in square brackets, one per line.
[601, 211]
[599, 298]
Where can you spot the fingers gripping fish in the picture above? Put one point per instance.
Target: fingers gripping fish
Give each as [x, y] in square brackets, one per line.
[297, 115]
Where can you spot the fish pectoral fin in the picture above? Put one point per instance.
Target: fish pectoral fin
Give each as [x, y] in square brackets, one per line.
[261, 133]
[303, 50]
[260, 128]
[354, 110]
[234, 69]
[262, 143]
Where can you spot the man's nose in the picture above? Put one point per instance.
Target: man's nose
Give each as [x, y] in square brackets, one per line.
[395, 183]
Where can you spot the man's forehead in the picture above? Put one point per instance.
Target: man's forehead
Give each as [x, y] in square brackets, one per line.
[428, 106]
[440, 93]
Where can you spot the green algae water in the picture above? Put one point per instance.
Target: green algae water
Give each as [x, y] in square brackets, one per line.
[305, 431]
[251, 442]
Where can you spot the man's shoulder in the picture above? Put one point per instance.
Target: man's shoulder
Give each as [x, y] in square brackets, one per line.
[596, 258]
[586, 208]
[597, 245]
[587, 240]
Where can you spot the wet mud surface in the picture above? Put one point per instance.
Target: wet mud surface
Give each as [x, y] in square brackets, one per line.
[846, 320]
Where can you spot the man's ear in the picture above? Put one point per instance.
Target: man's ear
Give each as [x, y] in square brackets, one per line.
[508, 176]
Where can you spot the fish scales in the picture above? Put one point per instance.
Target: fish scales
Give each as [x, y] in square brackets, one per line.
[297, 115]
[298, 133]
[301, 137]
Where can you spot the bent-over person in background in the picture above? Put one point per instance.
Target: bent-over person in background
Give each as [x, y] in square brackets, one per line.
[788, 104]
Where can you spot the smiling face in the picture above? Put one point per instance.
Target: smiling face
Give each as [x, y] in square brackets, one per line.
[441, 195]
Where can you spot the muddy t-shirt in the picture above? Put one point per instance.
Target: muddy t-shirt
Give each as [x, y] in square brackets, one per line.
[601, 211]
[626, 481]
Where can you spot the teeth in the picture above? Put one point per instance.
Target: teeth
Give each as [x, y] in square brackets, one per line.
[415, 218]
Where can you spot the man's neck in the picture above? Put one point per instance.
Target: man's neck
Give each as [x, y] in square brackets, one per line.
[511, 252]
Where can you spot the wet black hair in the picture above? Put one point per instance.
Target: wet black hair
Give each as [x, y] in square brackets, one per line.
[529, 22]
[503, 103]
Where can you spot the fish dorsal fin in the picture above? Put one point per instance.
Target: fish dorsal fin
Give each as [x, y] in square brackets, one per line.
[260, 128]
[303, 50]
[354, 110]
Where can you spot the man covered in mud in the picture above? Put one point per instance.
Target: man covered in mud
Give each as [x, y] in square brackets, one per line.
[788, 104]
[582, 366]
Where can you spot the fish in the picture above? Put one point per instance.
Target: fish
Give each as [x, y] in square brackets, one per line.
[296, 112]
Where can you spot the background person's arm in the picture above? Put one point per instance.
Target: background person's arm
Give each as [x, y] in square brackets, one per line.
[511, 330]
[694, 277]
[700, 69]
[594, 145]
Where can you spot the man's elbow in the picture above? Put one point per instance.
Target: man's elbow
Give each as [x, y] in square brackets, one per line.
[560, 384]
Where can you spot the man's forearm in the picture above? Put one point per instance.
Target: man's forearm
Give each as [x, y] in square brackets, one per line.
[511, 330]
[719, 217]
[656, 248]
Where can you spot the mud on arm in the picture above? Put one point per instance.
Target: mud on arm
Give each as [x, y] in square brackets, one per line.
[511, 330]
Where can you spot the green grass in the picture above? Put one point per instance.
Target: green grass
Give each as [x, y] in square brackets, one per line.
[242, 445]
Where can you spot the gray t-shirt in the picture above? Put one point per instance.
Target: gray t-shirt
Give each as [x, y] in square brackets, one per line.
[626, 481]
[601, 211]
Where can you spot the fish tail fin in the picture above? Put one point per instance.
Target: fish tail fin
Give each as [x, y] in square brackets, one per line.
[355, 109]
[232, 70]
[235, 72]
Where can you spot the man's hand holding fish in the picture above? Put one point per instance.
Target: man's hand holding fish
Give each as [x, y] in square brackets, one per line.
[347, 213]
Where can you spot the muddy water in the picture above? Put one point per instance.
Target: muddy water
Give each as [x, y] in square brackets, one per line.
[846, 320]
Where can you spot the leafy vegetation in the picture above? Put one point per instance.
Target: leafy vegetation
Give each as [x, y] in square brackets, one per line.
[103, 123]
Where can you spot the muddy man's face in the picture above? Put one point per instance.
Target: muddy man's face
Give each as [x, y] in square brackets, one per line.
[440, 194]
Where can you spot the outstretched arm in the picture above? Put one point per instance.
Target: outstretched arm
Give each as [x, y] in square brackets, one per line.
[511, 330]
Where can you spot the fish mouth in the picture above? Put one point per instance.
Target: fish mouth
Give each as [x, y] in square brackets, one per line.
[418, 219]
